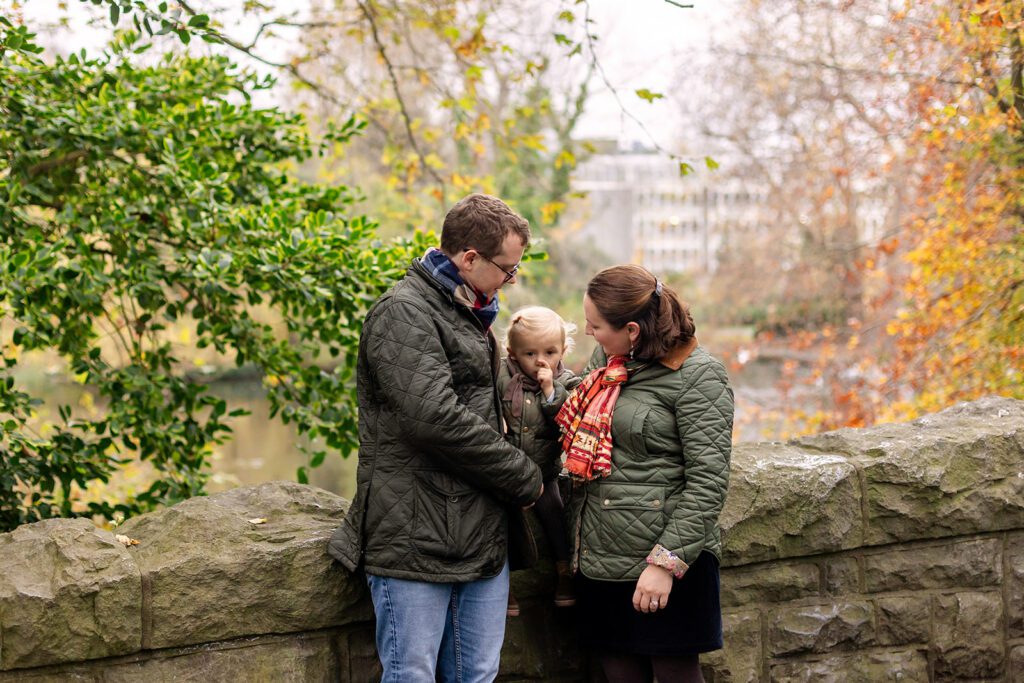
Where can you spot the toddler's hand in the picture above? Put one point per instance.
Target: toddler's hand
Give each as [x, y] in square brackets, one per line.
[545, 377]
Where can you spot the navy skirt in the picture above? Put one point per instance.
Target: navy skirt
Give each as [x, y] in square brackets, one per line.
[691, 624]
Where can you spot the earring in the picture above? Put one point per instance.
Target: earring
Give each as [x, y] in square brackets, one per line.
[631, 347]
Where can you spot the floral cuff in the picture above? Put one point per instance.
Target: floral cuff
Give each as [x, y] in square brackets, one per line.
[666, 559]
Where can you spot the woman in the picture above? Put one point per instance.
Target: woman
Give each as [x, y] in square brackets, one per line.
[647, 438]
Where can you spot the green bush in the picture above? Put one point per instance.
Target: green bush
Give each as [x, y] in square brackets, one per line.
[136, 197]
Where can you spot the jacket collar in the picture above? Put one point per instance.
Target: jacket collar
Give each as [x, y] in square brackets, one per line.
[674, 359]
[417, 268]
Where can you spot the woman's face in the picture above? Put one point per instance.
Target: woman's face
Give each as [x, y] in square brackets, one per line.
[615, 342]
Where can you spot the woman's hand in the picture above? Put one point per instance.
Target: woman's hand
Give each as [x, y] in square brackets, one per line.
[652, 589]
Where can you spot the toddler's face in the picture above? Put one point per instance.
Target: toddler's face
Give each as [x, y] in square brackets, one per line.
[531, 354]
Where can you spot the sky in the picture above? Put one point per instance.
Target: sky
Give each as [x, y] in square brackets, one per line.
[641, 44]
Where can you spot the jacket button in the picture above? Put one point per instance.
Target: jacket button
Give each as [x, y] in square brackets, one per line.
[529, 402]
[656, 503]
[526, 429]
[607, 501]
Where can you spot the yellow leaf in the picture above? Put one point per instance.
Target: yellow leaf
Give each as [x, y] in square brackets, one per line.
[86, 401]
[258, 520]
[125, 541]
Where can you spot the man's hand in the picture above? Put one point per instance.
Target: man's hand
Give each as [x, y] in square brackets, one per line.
[545, 377]
[652, 589]
[527, 507]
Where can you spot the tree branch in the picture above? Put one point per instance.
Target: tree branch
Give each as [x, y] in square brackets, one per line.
[831, 66]
[615, 93]
[398, 95]
[290, 68]
[53, 162]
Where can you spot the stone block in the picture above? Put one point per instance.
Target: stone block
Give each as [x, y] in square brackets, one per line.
[910, 666]
[742, 586]
[1017, 663]
[288, 660]
[211, 573]
[83, 674]
[948, 474]
[1015, 585]
[788, 502]
[68, 592]
[821, 628]
[964, 564]
[903, 620]
[740, 660]
[357, 656]
[541, 643]
[842, 575]
[967, 635]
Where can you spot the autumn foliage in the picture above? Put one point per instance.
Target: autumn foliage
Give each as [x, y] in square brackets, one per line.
[960, 332]
[951, 292]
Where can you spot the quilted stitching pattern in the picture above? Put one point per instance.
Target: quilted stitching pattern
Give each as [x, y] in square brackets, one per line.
[429, 433]
[670, 495]
[535, 431]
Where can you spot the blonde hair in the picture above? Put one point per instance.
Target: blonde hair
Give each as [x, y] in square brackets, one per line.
[538, 320]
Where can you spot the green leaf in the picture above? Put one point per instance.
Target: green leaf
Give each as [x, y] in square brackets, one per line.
[115, 13]
[711, 163]
[645, 94]
[302, 476]
[685, 169]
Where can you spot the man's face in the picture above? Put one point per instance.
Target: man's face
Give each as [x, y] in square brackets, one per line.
[488, 274]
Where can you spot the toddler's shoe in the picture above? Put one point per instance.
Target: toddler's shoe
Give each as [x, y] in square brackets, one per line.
[565, 592]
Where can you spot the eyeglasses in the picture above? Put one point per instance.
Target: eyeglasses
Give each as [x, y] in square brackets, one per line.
[509, 274]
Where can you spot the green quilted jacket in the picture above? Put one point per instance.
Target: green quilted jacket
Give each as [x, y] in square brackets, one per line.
[435, 474]
[535, 431]
[671, 443]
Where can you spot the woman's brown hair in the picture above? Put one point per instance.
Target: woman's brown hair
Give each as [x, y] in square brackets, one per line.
[625, 294]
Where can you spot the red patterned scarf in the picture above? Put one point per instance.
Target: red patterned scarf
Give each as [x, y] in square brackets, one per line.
[586, 421]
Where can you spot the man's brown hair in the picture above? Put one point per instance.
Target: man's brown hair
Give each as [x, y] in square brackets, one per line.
[625, 294]
[481, 222]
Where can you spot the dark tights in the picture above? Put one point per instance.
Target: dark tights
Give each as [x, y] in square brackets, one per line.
[643, 669]
[549, 511]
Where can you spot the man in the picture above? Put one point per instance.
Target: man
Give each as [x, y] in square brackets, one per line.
[435, 476]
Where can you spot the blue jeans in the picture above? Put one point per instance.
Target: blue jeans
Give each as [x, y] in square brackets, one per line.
[448, 632]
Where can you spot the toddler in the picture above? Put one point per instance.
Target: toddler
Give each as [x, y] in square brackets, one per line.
[533, 385]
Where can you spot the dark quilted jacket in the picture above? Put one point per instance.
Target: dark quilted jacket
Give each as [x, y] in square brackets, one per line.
[434, 473]
[535, 431]
[671, 443]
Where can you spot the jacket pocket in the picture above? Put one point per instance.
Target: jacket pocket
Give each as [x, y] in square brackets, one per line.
[632, 517]
[629, 425]
[447, 516]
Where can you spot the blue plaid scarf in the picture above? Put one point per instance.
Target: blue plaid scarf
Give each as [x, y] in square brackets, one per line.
[444, 271]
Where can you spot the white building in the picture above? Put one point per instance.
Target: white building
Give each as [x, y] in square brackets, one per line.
[639, 208]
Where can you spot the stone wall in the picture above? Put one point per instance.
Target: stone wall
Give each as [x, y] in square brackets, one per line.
[890, 553]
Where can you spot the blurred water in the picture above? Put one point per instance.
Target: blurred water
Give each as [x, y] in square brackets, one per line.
[264, 449]
[261, 449]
